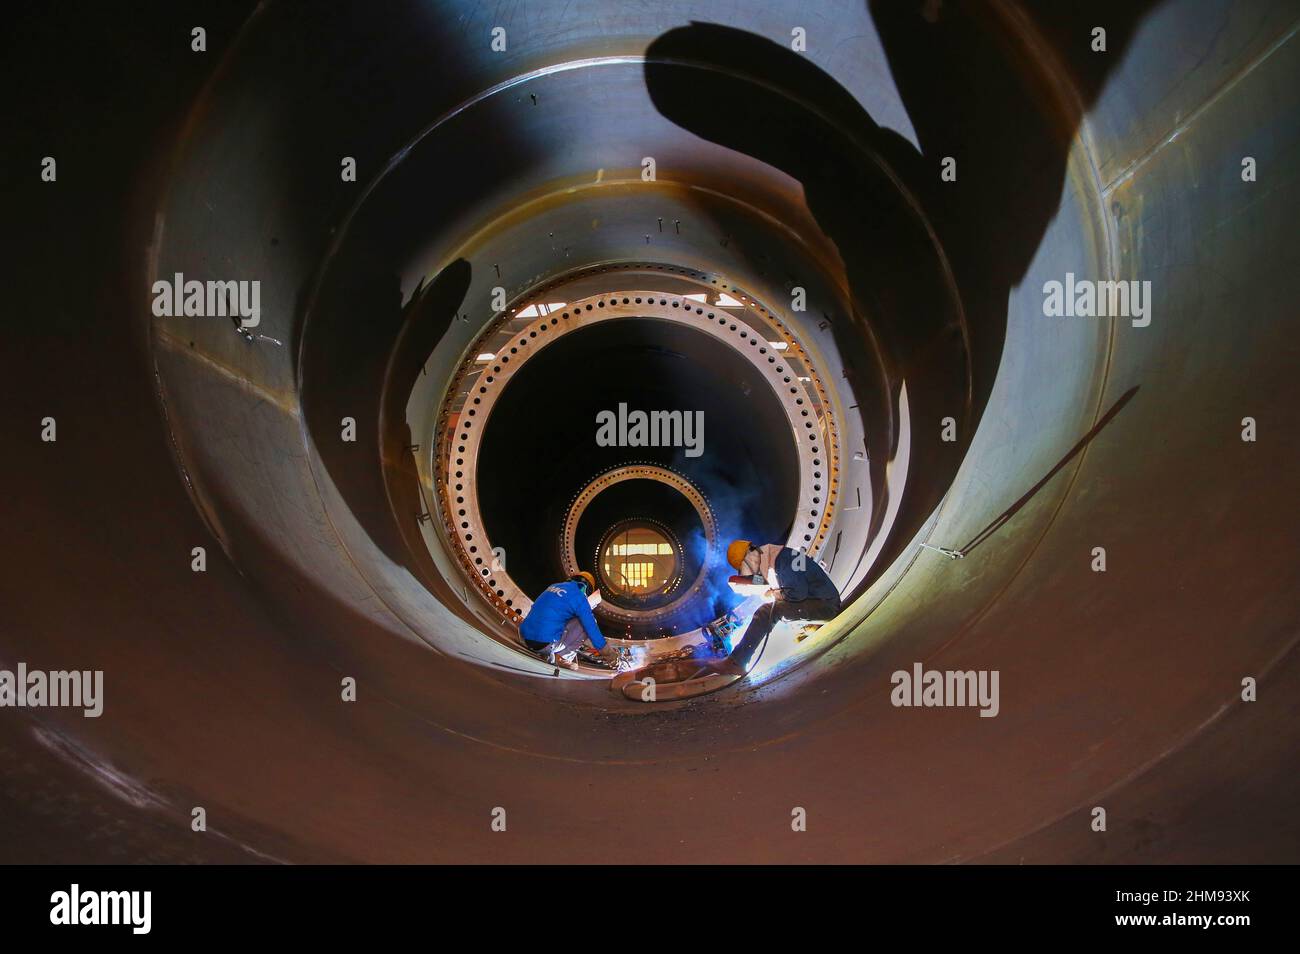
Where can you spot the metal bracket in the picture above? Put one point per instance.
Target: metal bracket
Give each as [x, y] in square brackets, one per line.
[950, 554]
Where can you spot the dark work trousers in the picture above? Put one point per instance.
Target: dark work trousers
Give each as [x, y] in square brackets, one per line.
[569, 641]
[769, 614]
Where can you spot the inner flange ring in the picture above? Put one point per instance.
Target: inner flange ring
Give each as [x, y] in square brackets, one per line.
[658, 474]
[462, 424]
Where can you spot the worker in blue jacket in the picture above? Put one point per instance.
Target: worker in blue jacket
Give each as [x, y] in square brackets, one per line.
[798, 588]
[560, 619]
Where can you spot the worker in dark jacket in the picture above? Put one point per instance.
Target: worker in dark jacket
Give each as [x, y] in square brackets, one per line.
[560, 619]
[797, 586]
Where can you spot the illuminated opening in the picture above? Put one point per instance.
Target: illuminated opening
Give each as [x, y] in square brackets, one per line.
[638, 561]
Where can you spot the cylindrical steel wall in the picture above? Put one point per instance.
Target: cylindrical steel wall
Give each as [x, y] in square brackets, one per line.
[481, 169]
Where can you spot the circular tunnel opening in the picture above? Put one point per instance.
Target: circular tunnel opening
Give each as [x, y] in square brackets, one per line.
[640, 564]
[1137, 178]
[645, 391]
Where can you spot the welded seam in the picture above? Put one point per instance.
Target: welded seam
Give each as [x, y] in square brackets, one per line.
[122, 785]
[280, 401]
[1130, 170]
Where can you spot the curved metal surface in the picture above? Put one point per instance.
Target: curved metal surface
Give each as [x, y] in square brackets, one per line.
[1120, 687]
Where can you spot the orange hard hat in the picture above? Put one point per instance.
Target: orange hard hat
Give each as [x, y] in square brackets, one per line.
[736, 551]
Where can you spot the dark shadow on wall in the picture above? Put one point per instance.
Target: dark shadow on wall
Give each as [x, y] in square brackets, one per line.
[970, 94]
[430, 314]
[359, 106]
[345, 361]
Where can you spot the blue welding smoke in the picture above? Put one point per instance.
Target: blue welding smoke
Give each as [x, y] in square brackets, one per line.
[736, 508]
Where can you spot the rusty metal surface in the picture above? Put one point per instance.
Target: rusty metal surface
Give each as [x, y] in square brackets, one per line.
[223, 686]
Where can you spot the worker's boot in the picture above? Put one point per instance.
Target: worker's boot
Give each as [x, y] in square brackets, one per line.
[730, 667]
[567, 660]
